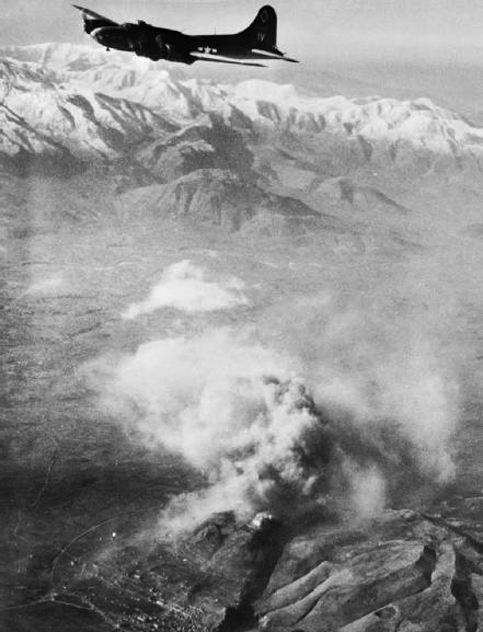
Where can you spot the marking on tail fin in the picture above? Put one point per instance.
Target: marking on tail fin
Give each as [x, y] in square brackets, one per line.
[264, 17]
[261, 36]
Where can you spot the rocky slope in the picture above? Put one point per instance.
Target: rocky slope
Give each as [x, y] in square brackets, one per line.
[43, 117]
[318, 571]
[218, 197]
[403, 571]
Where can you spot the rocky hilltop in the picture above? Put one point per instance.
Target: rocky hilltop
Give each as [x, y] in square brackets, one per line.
[322, 570]
[402, 571]
[405, 571]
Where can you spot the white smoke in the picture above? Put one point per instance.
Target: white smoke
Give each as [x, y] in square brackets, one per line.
[392, 365]
[215, 400]
[381, 419]
[367, 493]
[403, 390]
[198, 396]
[426, 405]
[46, 286]
[183, 286]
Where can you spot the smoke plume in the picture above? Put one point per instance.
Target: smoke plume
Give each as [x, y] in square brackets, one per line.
[184, 287]
[47, 286]
[349, 417]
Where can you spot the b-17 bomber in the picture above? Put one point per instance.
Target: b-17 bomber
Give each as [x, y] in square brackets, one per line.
[257, 42]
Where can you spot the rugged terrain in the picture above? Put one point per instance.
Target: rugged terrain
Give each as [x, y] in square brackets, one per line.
[242, 353]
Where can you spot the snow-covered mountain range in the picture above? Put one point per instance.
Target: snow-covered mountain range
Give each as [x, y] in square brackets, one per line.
[60, 94]
[66, 108]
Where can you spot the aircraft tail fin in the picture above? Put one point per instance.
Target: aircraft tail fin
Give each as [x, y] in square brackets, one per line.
[93, 20]
[262, 32]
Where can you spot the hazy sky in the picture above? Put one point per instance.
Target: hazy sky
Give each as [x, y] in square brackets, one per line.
[321, 28]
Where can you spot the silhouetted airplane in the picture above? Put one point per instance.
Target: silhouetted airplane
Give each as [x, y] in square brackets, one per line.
[258, 41]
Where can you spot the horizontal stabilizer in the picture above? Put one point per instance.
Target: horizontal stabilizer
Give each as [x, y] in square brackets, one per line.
[93, 20]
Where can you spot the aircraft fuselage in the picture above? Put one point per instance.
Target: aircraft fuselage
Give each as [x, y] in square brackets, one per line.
[258, 41]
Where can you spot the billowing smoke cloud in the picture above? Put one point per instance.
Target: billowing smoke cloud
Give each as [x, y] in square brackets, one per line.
[235, 411]
[238, 412]
[326, 407]
[183, 286]
[405, 404]
[198, 396]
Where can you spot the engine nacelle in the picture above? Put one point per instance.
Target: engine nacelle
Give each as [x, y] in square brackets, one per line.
[146, 41]
[173, 50]
[166, 50]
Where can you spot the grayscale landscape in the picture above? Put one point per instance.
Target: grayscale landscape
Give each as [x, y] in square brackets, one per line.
[242, 357]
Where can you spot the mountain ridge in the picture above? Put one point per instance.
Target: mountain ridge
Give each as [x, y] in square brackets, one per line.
[67, 108]
[376, 120]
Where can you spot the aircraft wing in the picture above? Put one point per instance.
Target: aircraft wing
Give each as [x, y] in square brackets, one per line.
[259, 54]
[222, 60]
